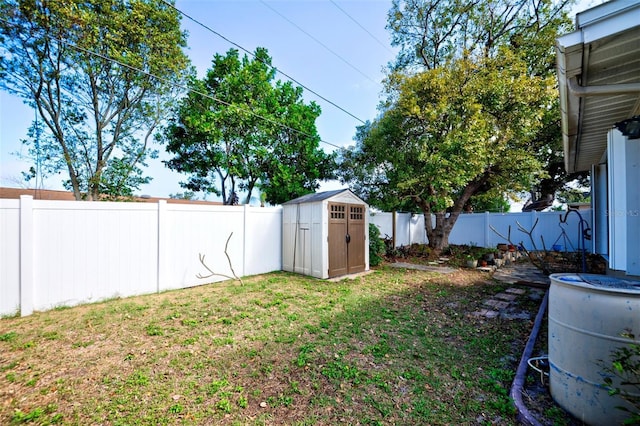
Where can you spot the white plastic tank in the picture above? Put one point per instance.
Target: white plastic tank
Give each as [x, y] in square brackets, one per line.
[587, 316]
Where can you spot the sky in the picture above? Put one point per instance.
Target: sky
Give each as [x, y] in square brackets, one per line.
[337, 48]
[316, 42]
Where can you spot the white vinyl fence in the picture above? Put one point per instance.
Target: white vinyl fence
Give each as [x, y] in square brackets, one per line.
[62, 253]
[55, 253]
[475, 229]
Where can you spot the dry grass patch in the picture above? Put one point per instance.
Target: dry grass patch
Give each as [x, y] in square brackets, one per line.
[392, 347]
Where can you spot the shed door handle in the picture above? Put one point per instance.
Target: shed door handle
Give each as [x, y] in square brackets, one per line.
[348, 238]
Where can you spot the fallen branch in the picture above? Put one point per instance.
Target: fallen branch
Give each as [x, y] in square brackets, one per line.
[534, 257]
[212, 273]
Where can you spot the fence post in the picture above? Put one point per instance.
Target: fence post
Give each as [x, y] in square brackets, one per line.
[536, 232]
[487, 218]
[26, 255]
[245, 238]
[393, 229]
[162, 264]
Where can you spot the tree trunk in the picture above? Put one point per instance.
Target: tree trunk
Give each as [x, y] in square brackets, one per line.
[438, 234]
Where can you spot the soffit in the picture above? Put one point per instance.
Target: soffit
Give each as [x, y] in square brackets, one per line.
[605, 51]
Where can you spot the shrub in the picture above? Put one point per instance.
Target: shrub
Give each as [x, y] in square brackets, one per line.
[626, 366]
[376, 246]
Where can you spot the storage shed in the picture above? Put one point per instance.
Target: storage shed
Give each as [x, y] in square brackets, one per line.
[325, 234]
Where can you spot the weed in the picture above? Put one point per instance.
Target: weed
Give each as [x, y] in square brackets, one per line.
[9, 366]
[380, 349]
[242, 402]
[222, 341]
[8, 337]
[189, 322]
[285, 400]
[154, 330]
[216, 385]
[339, 371]
[138, 378]
[624, 376]
[39, 415]
[295, 387]
[557, 415]
[224, 405]
[176, 409]
[190, 341]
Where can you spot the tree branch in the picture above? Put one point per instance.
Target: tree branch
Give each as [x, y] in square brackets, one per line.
[212, 273]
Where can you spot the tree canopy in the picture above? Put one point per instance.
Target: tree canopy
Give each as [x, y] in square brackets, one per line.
[238, 129]
[432, 32]
[448, 134]
[467, 99]
[100, 75]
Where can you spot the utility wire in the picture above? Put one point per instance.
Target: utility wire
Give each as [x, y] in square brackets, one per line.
[319, 42]
[361, 26]
[181, 86]
[206, 27]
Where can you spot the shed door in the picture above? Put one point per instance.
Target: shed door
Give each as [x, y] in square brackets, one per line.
[355, 248]
[337, 239]
[346, 239]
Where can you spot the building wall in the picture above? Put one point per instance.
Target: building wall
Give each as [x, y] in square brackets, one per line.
[302, 241]
[633, 207]
[617, 204]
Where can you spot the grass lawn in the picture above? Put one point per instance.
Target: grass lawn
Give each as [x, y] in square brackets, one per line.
[391, 347]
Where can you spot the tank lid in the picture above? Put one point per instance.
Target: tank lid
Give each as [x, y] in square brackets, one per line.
[607, 281]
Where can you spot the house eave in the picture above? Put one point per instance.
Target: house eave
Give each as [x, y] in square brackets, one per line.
[598, 78]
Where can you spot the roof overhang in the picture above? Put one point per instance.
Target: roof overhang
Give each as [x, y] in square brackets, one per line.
[599, 79]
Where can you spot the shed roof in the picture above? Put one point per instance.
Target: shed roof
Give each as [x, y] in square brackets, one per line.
[319, 196]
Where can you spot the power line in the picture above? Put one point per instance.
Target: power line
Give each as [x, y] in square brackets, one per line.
[319, 42]
[206, 27]
[180, 86]
[361, 26]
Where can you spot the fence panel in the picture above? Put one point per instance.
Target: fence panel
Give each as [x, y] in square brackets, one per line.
[62, 253]
[475, 228]
[9, 257]
[384, 222]
[418, 234]
[263, 240]
[191, 231]
[403, 229]
[469, 229]
[88, 251]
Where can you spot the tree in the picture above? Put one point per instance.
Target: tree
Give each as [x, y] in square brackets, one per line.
[447, 134]
[432, 32]
[186, 195]
[549, 151]
[98, 74]
[237, 129]
[489, 202]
